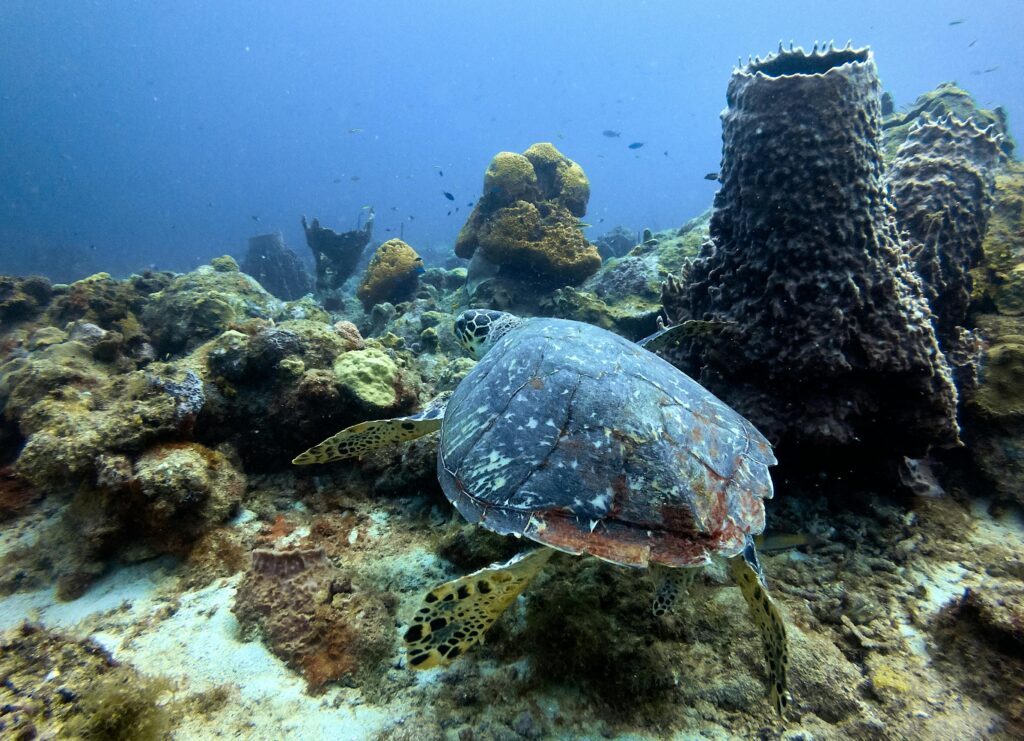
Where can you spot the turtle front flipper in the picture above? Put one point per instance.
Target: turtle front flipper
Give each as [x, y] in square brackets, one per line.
[669, 583]
[359, 439]
[746, 571]
[455, 615]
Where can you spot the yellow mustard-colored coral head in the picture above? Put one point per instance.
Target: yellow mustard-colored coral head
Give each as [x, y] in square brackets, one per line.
[392, 274]
[510, 177]
[370, 376]
[560, 179]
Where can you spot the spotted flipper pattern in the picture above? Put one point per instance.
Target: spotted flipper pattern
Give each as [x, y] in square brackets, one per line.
[747, 573]
[454, 616]
[359, 439]
[669, 583]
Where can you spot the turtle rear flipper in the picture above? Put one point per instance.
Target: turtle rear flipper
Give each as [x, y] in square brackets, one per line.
[359, 439]
[746, 571]
[455, 615]
[669, 583]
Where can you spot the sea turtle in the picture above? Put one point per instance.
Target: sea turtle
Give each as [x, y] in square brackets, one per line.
[586, 443]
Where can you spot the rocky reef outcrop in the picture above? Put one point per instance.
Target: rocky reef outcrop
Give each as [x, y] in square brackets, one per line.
[824, 338]
[524, 237]
[276, 267]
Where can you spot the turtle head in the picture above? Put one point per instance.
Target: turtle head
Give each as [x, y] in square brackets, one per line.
[478, 329]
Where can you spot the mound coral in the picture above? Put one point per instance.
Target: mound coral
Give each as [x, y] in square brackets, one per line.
[827, 337]
[369, 376]
[392, 274]
[523, 234]
[540, 242]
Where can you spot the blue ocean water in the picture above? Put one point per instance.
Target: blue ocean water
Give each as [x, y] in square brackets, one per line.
[156, 133]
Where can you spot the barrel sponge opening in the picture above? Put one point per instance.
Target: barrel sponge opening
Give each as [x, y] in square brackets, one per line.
[799, 62]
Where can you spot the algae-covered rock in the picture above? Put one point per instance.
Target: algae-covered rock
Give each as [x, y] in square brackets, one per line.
[186, 489]
[57, 686]
[392, 274]
[200, 305]
[22, 298]
[999, 282]
[370, 376]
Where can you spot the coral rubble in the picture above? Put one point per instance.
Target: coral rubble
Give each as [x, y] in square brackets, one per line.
[826, 336]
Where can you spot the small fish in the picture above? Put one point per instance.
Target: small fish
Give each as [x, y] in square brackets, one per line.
[665, 153]
[958, 21]
[412, 218]
[449, 212]
[337, 180]
[583, 225]
[394, 208]
[440, 172]
[611, 134]
[468, 205]
[354, 178]
[355, 131]
[636, 145]
[711, 176]
[255, 218]
[448, 195]
[972, 43]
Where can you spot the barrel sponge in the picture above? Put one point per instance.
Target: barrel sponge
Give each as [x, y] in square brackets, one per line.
[826, 337]
[510, 177]
[942, 181]
[542, 242]
[561, 180]
[392, 274]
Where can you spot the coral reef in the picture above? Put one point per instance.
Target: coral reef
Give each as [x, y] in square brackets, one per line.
[22, 298]
[336, 254]
[999, 282]
[312, 615]
[994, 413]
[370, 377]
[523, 235]
[826, 336]
[942, 179]
[277, 268]
[392, 275]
